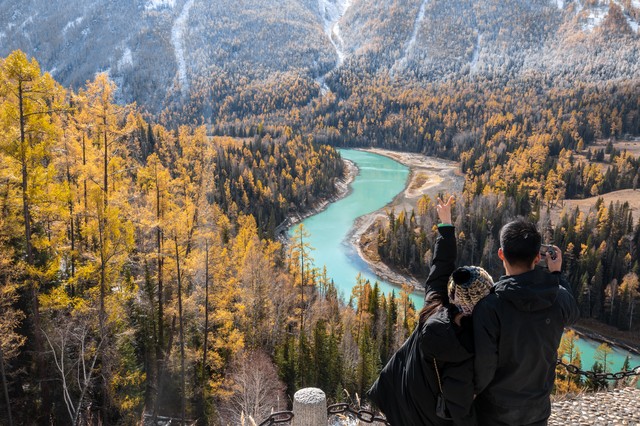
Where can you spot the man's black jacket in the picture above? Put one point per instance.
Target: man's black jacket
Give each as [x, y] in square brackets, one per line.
[517, 330]
[407, 387]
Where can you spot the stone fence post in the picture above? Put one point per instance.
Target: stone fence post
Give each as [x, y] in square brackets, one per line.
[309, 407]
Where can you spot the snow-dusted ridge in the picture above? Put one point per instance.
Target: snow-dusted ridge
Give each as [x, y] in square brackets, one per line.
[476, 55]
[126, 59]
[595, 18]
[72, 24]
[159, 4]
[402, 62]
[177, 40]
[598, 12]
[632, 23]
[331, 11]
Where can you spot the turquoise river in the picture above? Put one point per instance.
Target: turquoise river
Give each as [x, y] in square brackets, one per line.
[379, 180]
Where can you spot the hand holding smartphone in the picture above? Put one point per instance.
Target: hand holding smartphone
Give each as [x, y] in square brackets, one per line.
[550, 257]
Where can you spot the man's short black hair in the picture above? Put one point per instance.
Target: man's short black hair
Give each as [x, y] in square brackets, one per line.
[520, 242]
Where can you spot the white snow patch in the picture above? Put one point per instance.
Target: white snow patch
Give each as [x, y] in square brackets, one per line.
[632, 23]
[324, 89]
[416, 27]
[402, 62]
[578, 7]
[106, 71]
[177, 39]
[159, 4]
[597, 15]
[339, 44]
[26, 22]
[560, 4]
[126, 59]
[331, 11]
[595, 18]
[72, 24]
[635, 3]
[476, 55]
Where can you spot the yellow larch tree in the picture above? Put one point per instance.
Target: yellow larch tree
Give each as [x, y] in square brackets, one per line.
[29, 104]
[107, 171]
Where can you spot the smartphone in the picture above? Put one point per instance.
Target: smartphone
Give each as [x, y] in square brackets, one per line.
[548, 250]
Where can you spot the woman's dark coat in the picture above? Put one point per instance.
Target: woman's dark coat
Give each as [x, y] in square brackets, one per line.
[407, 387]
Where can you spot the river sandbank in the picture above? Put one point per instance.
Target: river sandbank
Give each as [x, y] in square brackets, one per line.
[427, 175]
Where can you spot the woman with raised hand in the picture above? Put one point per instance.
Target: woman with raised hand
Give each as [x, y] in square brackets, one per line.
[429, 380]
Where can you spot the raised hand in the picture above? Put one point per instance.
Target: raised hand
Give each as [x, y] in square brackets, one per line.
[444, 210]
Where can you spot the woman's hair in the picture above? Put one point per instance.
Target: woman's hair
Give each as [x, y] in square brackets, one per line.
[433, 302]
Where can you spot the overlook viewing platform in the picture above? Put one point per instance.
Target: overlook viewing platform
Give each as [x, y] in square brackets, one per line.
[615, 407]
[606, 408]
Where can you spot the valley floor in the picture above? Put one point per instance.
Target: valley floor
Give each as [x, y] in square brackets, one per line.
[427, 175]
[432, 176]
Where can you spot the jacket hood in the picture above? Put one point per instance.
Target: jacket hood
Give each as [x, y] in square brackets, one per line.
[532, 291]
[443, 339]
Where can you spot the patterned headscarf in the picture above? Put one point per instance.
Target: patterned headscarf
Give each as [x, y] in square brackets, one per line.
[467, 285]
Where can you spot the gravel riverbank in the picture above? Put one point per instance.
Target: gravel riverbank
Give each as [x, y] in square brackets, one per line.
[427, 175]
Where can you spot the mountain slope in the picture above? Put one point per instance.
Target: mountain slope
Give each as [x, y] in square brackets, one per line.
[157, 50]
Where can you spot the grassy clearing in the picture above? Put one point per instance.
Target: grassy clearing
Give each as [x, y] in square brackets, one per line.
[632, 146]
[628, 195]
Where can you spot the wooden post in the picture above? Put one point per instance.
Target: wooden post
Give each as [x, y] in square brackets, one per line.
[309, 407]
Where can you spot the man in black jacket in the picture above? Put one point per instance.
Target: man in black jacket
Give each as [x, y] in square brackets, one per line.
[517, 330]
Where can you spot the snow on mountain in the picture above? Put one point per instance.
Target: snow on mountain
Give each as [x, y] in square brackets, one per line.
[177, 39]
[595, 17]
[155, 48]
[417, 24]
[126, 59]
[476, 55]
[331, 11]
[72, 24]
[634, 20]
[159, 4]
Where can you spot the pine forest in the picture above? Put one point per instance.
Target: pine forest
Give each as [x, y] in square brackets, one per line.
[146, 269]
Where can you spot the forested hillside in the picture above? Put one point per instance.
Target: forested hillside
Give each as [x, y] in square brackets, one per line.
[132, 265]
[139, 270]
